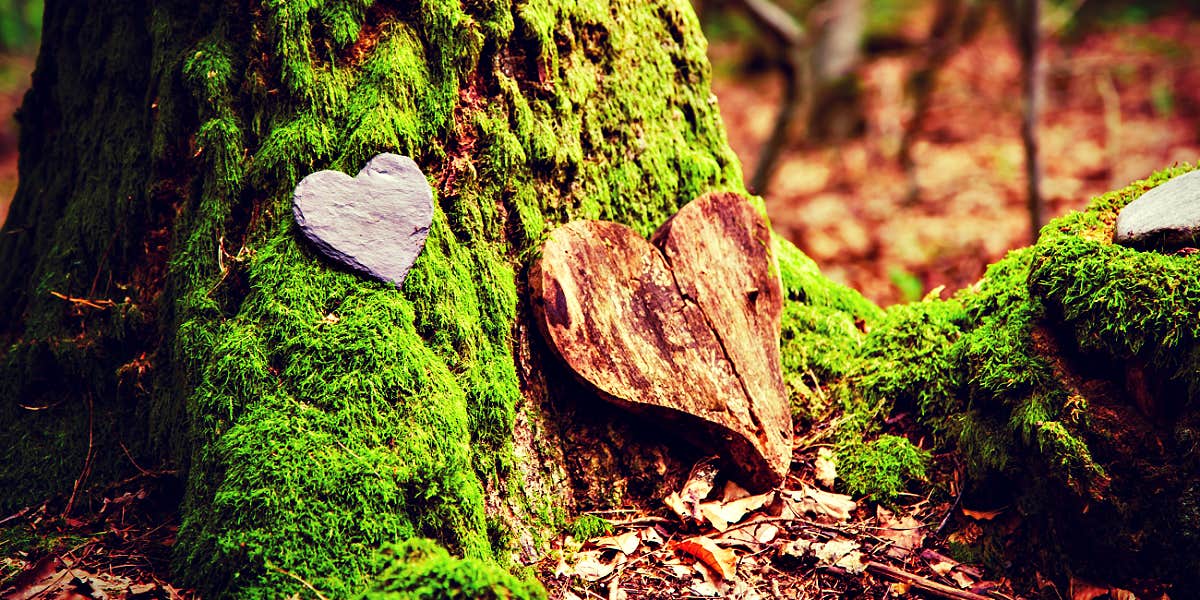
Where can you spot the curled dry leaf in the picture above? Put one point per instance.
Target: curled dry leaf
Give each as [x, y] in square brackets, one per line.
[724, 514]
[825, 468]
[625, 543]
[721, 560]
[982, 515]
[592, 565]
[810, 500]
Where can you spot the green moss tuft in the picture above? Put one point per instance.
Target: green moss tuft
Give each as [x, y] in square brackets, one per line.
[880, 469]
[587, 527]
[420, 569]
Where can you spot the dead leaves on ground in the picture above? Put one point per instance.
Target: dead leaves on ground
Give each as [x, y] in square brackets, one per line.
[722, 541]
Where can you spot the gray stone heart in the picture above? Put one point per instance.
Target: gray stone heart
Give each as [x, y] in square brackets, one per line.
[374, 223]
[1164, 218]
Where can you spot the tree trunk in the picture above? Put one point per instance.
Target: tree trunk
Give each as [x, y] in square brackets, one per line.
[160, 308]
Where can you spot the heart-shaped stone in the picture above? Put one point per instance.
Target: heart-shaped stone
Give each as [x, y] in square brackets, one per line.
[687, 331]
[1165, 218]
[374, 223]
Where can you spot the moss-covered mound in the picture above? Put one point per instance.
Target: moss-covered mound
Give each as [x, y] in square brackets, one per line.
[1069, 374]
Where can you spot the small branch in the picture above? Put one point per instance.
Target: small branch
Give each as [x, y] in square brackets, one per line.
[87, 460]
[921, 583]
[96, 304]
[299, 579]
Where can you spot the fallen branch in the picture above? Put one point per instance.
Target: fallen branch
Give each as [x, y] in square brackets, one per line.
[921, 583]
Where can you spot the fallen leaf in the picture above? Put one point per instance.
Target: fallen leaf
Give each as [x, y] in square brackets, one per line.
[723, 514]
[900, 588]
[840, 553]
[721, 560]
[810, 500]
[592, 565]
[825, 468]
[625, 543]
[1086, 590]
[905, 533]
[982, 515]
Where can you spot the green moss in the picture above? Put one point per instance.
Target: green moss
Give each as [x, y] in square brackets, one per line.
[821, 333]
[881, 468]
[1121, 303]
[421, 569]
[587, 527]
[331, 414]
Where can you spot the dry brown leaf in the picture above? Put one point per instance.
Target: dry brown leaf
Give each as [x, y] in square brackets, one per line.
[723, 514]
[900, 588]
[963, 580]
[753, 536]
[810, 500]
[905, 532]
[982, 515]
[825, 468]
[626, 543]
[840, 553]
[592, 565]
[1086, 590]
[721, 560]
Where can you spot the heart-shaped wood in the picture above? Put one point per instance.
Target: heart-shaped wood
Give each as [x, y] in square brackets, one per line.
[687, 330]
[374, 223]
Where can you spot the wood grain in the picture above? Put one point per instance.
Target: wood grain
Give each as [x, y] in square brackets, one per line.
[686, 332]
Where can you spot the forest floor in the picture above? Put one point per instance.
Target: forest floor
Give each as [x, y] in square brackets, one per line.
[1121, 104]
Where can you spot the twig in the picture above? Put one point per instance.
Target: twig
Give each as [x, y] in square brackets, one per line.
[87, 461]
[299, 579]
[953, 507]
[921, 583]
[96, 304]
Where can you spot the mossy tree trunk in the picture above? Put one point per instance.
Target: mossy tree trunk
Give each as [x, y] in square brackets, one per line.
[159, 307]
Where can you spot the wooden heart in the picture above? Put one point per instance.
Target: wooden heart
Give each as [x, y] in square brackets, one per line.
[374, 223]
[687, 330]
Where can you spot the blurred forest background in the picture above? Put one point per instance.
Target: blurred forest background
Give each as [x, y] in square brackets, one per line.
[902, 167]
